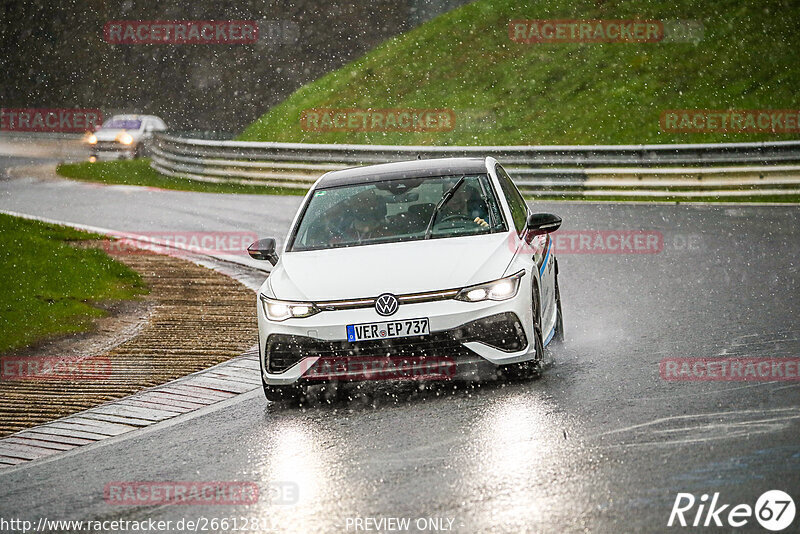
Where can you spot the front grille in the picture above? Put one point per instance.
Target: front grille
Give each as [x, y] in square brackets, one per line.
[111, 146]
[284, 351]
[502, 331]
[409, 298]
[107, 145]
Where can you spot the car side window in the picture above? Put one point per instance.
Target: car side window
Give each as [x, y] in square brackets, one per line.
[519, 209]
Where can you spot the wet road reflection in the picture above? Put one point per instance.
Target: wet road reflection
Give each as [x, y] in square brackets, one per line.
[380, 449]
[292, 452]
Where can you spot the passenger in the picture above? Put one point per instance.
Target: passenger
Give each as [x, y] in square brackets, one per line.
[368, 219]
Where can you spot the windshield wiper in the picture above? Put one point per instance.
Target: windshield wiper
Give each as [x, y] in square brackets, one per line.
[447, 196]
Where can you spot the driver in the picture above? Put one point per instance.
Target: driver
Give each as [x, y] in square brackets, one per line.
[467, 202]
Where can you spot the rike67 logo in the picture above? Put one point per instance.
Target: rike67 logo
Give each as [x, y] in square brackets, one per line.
[774, 511]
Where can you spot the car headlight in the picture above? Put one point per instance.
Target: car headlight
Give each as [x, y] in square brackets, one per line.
[91, 139]
[502, 289]
[280, 310]
[124, 138]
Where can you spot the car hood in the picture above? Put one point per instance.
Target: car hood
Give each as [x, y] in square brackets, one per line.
[111, 134]
[398, 268]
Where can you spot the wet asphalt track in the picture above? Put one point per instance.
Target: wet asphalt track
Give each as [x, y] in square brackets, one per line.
[601, 442]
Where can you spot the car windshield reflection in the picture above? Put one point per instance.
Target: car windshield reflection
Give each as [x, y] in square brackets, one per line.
[398, 210]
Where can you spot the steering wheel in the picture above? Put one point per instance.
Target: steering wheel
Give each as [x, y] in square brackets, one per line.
[457, 216]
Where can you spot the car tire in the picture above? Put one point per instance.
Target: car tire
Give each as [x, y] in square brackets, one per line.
[558, 335]
[530, 368]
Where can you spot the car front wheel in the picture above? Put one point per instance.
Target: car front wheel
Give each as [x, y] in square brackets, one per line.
[531, 368]
[558, 335]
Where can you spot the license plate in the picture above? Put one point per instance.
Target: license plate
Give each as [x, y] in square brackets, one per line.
[389, 329]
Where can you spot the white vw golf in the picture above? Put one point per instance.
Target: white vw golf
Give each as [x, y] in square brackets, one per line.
[411, 270]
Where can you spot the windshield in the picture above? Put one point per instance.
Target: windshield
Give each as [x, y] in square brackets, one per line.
[123, 124]
[398, 210]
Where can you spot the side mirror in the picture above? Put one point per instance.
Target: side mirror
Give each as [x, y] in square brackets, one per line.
[542, 223]
[263, 249]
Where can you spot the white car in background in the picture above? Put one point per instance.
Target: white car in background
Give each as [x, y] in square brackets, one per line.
[409, 265]
[124, 135]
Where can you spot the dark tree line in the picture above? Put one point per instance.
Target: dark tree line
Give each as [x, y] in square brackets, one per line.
[54, 55]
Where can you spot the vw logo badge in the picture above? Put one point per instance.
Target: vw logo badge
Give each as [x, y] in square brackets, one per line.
[386, 304]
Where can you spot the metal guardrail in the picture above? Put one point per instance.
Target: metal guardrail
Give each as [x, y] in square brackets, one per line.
[6, 134]
[543, 170]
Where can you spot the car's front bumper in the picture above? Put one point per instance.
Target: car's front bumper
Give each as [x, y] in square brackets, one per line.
[111, 150]
[470, 335]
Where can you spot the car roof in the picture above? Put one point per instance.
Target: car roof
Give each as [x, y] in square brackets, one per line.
[417, 168]
[133, 117]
